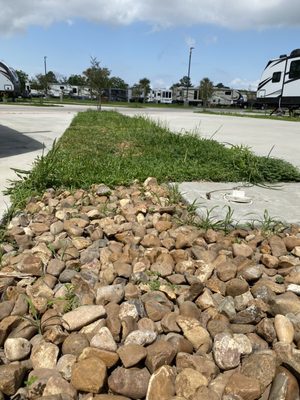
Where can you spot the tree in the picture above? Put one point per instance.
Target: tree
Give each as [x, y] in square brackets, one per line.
[206, 90]
[221, 86]
[23, 79]
[185, 81]
[97, 79]
[77, 80]
[141, 89]
[117, 83]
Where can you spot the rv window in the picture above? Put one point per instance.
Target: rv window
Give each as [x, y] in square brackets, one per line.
[228, 93]
[295, 70]
[276, 77]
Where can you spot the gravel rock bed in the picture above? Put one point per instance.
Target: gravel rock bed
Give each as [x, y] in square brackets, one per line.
[112, 295]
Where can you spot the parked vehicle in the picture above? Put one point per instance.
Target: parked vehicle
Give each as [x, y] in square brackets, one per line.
[158, 96]
[9, 81]
[279, 86]
[220, 96]
[182, 94]
[228, 97]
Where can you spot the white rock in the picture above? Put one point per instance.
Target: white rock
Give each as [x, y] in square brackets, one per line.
[82, 316]
[294, 288]
[64, 365]
[44, 355]
[104, 340]
[141, 337]
[16, 349]
[284, 329]
[243, 343]
[128, 310]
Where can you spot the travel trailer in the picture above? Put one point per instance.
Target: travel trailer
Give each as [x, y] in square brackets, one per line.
[227, 97]
[279, 86]
[9, 81]
[220, 96]
[158, 96]
[181, 94]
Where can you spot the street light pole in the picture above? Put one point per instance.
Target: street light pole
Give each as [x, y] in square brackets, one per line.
[45, 67]
[189, 71]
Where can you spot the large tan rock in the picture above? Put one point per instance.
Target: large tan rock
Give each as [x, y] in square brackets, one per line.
[245, 387]
[132, 382]
[188, 381]
[89, 375]
[195, 333]
[162, 384]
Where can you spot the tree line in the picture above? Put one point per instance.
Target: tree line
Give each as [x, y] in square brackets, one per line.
[97, 78]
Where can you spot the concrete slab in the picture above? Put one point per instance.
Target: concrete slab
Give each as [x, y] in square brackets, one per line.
[25, 133]
[281, 202]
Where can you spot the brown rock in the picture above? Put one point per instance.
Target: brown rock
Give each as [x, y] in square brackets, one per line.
[204, 393]
[291, 242]
[57, 386]
[265, 328]
[31, 264]
[269, 261]
[74, 344]
[277, 246]
[188, 381]
[155, 310]
[44, 355]
[261, 366]
[131, 354]
[236, 287]
[284, 386]
[108, 357]
[285, 303]
[241, 249]
[109, 397]
[189, 309]
[132, 382]
[243, 386]
[158, 354]
[226, 270]
[162, 384]
[202, 364]
[284, 329]
[89, 375]
[11, 378]
[195, 333]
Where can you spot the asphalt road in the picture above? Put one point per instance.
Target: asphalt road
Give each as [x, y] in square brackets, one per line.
[25, 132]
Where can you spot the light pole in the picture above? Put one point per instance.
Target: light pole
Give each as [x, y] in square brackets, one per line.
[188, 81]
[45, 67]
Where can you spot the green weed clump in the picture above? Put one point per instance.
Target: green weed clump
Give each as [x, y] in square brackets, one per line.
[108, 147]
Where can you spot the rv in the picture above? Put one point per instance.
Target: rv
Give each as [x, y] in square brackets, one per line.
[227, 97]
[220, 96]
[9, 81]
[191, 95]
[280, 82]
[160, 96]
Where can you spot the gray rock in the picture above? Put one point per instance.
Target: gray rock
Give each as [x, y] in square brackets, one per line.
[17, 349]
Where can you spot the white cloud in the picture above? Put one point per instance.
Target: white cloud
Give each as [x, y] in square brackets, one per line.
[17, 15]
[239, 83]
[190, 42]
[209, 40]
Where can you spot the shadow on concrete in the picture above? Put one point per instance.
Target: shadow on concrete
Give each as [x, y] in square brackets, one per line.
[13, 142]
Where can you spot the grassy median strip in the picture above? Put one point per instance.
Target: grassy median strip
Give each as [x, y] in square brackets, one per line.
[115, 149]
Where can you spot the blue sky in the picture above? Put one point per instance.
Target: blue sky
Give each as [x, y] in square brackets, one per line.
[150, 38]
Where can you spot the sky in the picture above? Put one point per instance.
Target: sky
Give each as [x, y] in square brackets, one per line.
[232, 40]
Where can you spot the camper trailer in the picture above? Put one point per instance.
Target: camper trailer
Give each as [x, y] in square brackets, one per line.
[182, 94]
[279, 86]
[9, 81]
[227, 97]
[220, 97]
[160, 96]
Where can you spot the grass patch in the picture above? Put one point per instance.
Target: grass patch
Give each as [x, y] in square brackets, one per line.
[115, 149]
[251, 114]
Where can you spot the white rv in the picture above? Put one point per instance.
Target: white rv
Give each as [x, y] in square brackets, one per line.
[280, 82]
[162, 96]
[227, 97]
[220, 96]
[9, 81]
[181, 94]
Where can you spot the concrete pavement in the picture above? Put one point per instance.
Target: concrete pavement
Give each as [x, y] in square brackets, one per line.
[25, 133]
[25, 130]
